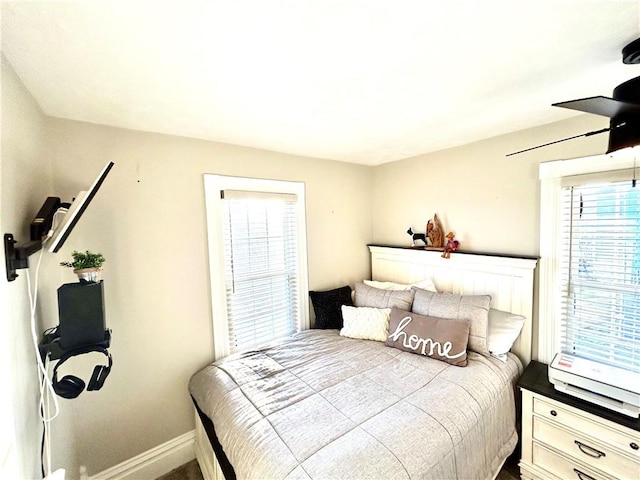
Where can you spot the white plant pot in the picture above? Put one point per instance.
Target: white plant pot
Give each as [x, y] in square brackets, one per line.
[89, 275]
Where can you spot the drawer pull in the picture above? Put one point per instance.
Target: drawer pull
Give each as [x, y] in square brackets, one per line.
[582, 475]
[587, 450]
[634, 445]
[553, 413]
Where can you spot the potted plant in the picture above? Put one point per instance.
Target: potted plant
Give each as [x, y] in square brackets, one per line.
[86, 265]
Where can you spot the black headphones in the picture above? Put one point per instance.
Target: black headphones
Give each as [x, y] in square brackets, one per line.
[70, 386]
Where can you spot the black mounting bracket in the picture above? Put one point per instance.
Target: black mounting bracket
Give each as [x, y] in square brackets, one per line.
[16, 256]
[50, 345]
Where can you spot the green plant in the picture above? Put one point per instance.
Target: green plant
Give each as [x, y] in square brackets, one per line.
[85, 259]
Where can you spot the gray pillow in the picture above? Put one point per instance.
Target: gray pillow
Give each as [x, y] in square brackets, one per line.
[438, 338]
[474, 308]
[378, 298]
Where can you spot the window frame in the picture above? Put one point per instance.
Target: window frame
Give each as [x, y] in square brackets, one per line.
[551, 175]
[213, 184]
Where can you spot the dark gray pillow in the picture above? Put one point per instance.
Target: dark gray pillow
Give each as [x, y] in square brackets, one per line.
[327, 306]
[442, 339]
[367, 296]
[474, 308]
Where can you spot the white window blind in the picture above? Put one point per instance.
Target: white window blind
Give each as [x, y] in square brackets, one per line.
[261, 270]
[600, 273]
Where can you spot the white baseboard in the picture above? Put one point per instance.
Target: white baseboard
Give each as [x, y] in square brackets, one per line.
[153, 463]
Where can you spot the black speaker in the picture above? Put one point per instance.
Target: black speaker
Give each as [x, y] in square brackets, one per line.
[81, 314]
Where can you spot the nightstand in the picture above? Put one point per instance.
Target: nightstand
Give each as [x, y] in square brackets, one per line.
[564, 437]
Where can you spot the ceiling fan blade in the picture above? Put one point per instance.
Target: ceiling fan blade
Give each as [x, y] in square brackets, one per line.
[608, 107]
[588, 134]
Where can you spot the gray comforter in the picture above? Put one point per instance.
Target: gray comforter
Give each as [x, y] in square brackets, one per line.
[318, 405]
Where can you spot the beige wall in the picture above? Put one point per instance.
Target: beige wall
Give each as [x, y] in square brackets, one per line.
[25, 182]
[149, 221]
[489, 200]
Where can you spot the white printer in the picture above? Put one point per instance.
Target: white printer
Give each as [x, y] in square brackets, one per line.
[605, 385]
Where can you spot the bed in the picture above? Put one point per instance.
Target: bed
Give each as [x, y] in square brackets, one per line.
[320, 404]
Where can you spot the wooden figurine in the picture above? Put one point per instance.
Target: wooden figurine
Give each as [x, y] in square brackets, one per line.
[435, 232]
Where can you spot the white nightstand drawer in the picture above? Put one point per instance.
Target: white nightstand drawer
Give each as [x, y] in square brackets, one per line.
[598, 429]
[561, 466]
[583, 448]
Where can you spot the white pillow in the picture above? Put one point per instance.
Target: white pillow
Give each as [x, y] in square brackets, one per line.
[503, 330]
[367, 323]
[425, 284]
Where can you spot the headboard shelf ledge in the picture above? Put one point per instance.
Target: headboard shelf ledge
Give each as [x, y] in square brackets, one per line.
[457, 252]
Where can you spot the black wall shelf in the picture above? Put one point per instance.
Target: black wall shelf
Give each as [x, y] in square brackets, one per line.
[50, 345]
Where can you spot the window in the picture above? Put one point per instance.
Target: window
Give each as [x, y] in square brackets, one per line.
[600, 273]
[589, 295]
[257, 250]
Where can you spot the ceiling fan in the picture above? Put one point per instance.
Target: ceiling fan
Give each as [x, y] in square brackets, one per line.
[623, 109]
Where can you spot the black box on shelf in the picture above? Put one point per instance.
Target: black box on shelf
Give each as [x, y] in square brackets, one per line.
[81, 314]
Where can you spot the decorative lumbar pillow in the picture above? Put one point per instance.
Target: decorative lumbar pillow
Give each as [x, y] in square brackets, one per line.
[367, 323]
[426, 284]
[504, 328]
[474, 308]
[327, 306]
[439, 338]
[378, 298]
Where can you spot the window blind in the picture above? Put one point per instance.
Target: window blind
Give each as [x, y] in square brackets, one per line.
[261, 279]
[600, 273]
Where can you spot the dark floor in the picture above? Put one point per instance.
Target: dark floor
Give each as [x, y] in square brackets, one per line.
[510, 470]
[191, 471]
[188, 471]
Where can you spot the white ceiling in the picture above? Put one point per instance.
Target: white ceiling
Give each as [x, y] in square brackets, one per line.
[362, 81]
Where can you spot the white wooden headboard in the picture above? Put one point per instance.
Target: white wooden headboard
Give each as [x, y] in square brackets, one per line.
[509, 280]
